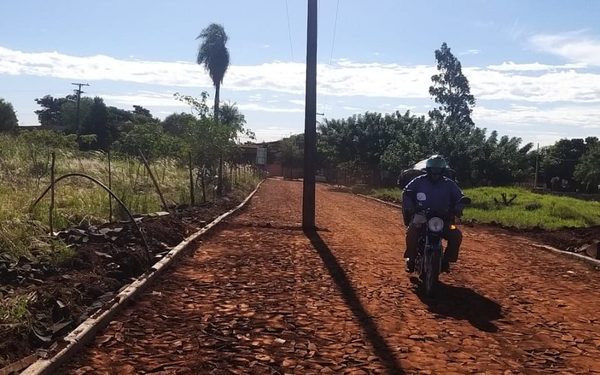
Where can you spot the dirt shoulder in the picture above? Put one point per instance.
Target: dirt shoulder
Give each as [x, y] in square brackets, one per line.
[262, 297]
[57, 297]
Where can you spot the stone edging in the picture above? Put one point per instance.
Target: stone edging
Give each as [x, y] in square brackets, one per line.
[580, 257]
[380, 201]
[584, 258]
[87, 330]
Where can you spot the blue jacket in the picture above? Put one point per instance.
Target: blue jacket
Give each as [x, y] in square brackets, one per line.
[442, 196]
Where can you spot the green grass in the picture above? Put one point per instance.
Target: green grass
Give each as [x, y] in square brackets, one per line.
[389, 194]
[528, 210]
[14, 311]
[25, 173]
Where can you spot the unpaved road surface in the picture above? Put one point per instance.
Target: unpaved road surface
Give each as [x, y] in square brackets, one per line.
[261, 297]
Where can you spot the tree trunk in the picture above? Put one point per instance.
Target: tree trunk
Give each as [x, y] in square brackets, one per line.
[203, 185]
[216, 114]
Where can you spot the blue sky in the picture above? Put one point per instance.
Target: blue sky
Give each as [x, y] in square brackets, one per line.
[534, 66]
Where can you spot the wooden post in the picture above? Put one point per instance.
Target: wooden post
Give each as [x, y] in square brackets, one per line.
[51, 210]
[192, 201]
[110, 210]
[310, 120]
[147, 165]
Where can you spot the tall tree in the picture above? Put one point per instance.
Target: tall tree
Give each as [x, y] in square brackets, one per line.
[452, 118]
[96, 123]
[451, 90]
[177, 123]
[587, 170]
[292, 153]
[8, 117]
[50, 114]
[560, 159]
[214, 55]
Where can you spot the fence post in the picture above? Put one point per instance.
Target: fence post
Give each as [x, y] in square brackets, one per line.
[51, 210]
[192, 201]
[110, 210]
[162, 199]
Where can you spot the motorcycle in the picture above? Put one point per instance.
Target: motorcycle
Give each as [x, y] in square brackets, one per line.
[428, 262]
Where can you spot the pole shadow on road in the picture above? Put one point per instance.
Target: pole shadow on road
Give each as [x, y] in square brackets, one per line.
[381, 347]
[464, 304]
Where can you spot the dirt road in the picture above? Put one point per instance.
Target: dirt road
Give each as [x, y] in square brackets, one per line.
[261, 297]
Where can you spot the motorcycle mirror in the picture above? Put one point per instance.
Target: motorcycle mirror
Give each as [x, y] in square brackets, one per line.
[465, 200]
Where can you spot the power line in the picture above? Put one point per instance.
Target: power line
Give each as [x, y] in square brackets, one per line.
[337, 7]
[287, 12]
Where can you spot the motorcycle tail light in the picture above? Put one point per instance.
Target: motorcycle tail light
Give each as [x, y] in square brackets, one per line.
[436, 224]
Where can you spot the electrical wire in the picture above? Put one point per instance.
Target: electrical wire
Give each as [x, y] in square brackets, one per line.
[287, 12]
[334, 30]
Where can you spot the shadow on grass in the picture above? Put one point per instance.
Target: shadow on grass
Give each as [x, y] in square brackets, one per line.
[463, 304]
[382, 349]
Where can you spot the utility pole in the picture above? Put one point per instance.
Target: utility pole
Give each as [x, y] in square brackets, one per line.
[78, 92]
[537, 156]
[310, 120]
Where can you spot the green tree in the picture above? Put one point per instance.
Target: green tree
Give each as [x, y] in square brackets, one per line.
[8, 117]
[587, 170]
[50, 114]
[292, 152]
[142, 115]
[452, 92]
[214, 55]
[68, 113]
[177, 123]
[96, 123]
[561, 158]
[452, 118]
[154, 142]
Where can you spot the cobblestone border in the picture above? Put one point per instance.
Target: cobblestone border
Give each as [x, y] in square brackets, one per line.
[87, 330]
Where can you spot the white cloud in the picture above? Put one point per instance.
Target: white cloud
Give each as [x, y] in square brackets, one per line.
[574, 46]
[545, 87]
[508, 81]
[509, 66]
[470, 52]
[519, 116]
[145, 99]
[567, 88]
[261, 108]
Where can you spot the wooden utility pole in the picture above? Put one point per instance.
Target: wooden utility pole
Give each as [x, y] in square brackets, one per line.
[310, 120]
[78, 92]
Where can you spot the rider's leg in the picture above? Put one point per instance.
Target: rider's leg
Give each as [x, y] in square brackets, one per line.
[454, 238]
[412, 243]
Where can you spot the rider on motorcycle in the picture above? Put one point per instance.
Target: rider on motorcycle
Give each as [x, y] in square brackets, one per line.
[440, 194]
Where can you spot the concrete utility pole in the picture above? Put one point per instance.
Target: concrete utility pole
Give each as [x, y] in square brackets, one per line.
[310, 120]
[537, 155]
[79, 92]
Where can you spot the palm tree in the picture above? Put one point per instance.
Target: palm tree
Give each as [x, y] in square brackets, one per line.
[214, 55]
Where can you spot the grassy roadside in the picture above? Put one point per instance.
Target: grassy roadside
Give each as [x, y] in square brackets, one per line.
[25, 173]
[527, 210]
